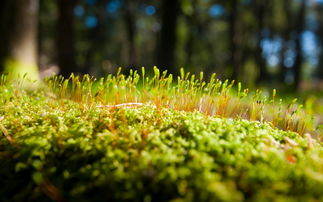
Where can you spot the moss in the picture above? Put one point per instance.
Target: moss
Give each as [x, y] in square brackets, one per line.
[68, 141]
[64, 150]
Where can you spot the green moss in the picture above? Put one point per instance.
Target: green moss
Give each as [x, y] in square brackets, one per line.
[76, 151]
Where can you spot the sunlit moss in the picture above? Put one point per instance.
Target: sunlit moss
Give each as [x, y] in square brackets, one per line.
[73, 140]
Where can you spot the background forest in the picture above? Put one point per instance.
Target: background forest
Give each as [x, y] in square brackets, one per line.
[258, 42]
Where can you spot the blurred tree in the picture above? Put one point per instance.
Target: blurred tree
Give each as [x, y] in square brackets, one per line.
[167, 39]
[299, 29]
[46, 33]
[130, 22]
[285, 34]
[191, 32]
[96, 36]
[22, 44]
[199, 46]
[261, 8]
[5, 10]
[65, 49]
[235, 40]
[319, 34]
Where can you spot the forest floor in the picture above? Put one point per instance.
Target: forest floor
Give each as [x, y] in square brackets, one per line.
[126, 138]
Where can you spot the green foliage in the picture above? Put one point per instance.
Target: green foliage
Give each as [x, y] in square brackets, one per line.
[65, 143]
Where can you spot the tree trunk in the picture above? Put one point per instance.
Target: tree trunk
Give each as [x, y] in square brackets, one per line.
[5, 10]
[282, 67]
[299, 55]
[130, 21]
[22, 51]
[285, 36]
[319, 71]
[97, 35]
[191, 35]
[65, 37]
[261, 7]
[167, 41]
[235, 41]
[319, 34]
[320, 68]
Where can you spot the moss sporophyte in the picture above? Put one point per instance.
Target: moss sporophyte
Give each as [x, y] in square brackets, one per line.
[142, 138]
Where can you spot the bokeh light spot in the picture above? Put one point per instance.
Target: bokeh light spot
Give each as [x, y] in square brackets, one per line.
[150, 10]
[113, 6]
[79, 11]
[216, 10]
[91, 21]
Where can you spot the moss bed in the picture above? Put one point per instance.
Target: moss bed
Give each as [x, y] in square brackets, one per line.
[62, 150]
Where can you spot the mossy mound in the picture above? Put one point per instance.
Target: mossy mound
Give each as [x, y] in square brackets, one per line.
[62, 150]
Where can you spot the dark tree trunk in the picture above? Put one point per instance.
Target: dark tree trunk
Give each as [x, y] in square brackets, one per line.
[130, 21]
[261, 8]
[167, 41]
[5, 11]
[319, 34]
[320, 68]
[285, 36]
[282, 67]
[22, 43]
[235, 40]
[319, 71]
[300, 23]
[190, 47]
[192, 35]
[97, 36]
[65, 37]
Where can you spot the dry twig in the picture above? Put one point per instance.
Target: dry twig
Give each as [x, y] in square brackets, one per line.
[291, 142]
[123, 105]
[5, 132]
